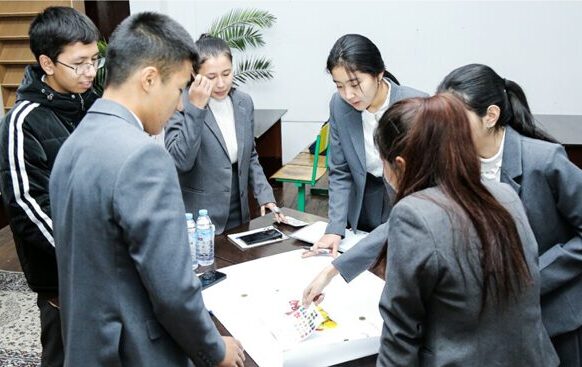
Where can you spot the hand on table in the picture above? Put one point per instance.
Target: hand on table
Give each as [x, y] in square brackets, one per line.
[235, 353]
[327, 241]
[279, 217]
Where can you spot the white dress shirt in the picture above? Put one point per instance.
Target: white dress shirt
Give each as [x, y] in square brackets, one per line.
[369, 124]
[491, 167]
[224, 115]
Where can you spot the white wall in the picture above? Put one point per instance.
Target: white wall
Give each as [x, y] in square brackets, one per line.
[535, 43]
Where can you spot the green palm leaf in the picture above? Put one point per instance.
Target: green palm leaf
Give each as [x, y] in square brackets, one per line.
[240, 37]
[242, 24]
[251, 68]
[99, 81]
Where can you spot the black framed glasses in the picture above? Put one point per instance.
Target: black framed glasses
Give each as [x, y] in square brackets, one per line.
[85, 67]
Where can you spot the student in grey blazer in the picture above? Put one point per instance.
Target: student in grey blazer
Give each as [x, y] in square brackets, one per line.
[212, 143]
[357, 194]
[127, 292]
[515, 151]
[462, 283]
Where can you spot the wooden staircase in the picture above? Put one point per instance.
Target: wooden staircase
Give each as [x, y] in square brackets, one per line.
[15, 54]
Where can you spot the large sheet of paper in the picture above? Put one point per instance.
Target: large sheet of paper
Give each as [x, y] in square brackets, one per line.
[252, 300]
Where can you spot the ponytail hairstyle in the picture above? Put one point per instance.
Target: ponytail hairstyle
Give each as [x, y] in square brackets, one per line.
[433, 136]
[209, 46]
[479, 87]
[355, 52]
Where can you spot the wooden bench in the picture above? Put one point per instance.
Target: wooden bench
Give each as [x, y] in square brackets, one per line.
[306, 168]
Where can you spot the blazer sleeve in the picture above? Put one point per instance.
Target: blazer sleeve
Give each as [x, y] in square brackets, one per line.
[340, 180]
[562, 263]
[183, 134]
[363, 255]
[155, 230]
[411, 275]
[25, 190]
[261, 188]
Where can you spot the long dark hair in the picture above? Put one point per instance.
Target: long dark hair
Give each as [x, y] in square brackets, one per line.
[479, 86]
[357, 53]
[433, 136]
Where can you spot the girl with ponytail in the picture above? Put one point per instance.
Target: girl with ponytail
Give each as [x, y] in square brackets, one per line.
[461, 281]
[365, 89]
[512, 149]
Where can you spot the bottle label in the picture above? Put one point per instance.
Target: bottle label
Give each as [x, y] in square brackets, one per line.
[205, 246]
[192, 243]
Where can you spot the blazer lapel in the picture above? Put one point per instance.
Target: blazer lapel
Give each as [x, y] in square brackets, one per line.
[395, 94]
[210, 121]
[511, 167]
[239, 125]
[353, 124]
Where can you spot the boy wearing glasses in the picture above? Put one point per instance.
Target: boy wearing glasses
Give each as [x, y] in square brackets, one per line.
[52, 98]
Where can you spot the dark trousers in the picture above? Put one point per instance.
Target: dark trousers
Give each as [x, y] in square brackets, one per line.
[376, 205]
[234, 215]
[50, 334]
[569, 348]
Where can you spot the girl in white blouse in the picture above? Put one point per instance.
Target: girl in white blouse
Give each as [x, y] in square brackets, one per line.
[212, 142]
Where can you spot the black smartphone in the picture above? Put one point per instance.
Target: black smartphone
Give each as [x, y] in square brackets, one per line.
[262, 236]
[210, 277]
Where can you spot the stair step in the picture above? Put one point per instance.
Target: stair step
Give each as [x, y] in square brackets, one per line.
[11, 75]
[15, 27]
[9, 97]
[27, 8]
[16, 52]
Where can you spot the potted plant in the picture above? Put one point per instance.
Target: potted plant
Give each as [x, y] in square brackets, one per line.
[241, 29]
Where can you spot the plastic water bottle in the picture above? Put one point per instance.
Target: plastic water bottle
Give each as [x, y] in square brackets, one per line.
[204, 239]
[191, 225]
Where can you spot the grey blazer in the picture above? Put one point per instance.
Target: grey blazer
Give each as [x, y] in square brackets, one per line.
[347, 160]
[431, 304]
[127, 293]
[194, 140]
[550, 187]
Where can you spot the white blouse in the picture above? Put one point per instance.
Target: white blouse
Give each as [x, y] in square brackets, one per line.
[491, 167]
[369, 124]
[224, 115]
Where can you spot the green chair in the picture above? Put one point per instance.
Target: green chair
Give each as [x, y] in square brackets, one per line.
[306, 168]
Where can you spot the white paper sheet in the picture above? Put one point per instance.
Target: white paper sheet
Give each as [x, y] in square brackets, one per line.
[313, 232]
[241, 302]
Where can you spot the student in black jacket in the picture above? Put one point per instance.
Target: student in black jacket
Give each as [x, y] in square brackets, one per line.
[52, 98]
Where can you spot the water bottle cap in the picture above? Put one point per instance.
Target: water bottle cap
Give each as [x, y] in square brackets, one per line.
[189, 216]
[203, 212]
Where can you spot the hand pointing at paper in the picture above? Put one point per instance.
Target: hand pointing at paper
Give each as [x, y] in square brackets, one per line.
[314, 291]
